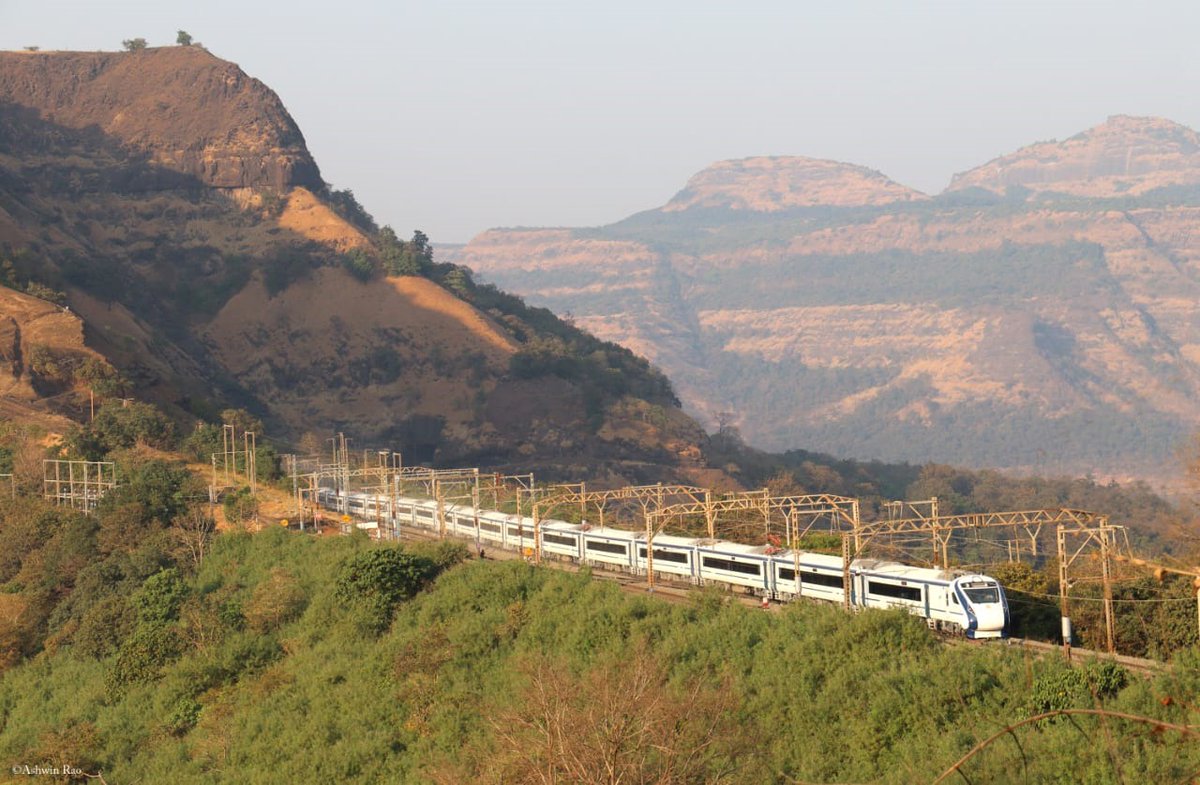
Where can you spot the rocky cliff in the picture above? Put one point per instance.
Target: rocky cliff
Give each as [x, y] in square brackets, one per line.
[1038, 315]
[180, 109]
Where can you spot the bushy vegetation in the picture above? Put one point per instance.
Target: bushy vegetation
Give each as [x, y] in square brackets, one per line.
[20, 270]
[118, 425]
[272, 662]
[347, 206]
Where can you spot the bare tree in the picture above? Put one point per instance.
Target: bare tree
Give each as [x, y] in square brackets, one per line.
[621, 722]
[310, 444]
[193, 530]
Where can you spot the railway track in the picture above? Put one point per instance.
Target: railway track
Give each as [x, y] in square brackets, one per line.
[1079, 656]
[680, 593]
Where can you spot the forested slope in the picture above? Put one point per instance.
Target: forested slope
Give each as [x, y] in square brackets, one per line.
[284, 658]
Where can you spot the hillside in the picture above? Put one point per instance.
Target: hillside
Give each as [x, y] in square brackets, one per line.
[169, 201]
[296, 658]
[1039, 315]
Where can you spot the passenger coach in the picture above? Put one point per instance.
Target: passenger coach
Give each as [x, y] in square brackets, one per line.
[974, 604]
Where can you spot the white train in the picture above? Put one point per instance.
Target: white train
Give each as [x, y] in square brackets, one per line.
[972, 604]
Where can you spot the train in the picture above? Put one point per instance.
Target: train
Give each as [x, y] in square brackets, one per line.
[954, 601]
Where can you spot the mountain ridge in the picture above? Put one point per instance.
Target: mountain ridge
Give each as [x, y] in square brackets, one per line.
[772, 183]
[1030, 327]
[1123, 155]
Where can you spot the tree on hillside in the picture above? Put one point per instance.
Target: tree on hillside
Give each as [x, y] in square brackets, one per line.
[193, 529]
[621, 721]
[134, 44]
[458, 281]
[359, 264]
[183, 39]
[405, 258]
[242, 421]
[241, 507]
[421, 248]
[375, 581]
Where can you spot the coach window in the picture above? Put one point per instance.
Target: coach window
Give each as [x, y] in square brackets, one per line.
[912, 593]
[661, 555]
[607, 547]
[729, 565]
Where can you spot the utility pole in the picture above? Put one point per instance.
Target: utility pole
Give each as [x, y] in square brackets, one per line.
[794, 522]
[292, 458]
[1106, 577]
[649, 549]
[475, 515]
[537, 533]
[846, 587]
[441, 506]
[251, 446]
[346, 470]
[710, 515]
[1063, 588]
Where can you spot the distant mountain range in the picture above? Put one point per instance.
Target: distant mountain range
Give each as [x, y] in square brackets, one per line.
[1040, 314]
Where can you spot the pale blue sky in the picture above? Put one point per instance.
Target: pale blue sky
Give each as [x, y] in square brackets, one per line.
[457, 116]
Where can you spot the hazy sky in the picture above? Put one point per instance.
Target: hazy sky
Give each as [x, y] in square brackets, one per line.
[454, 117]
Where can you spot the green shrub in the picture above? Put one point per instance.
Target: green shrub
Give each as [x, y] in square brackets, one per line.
[1064, 687]
[160, 597]
[240, 506]
[184, 715]
[143, 655]
[117, 426]
[104, 627]
[359, 264]
[373, 582]
[275, 602]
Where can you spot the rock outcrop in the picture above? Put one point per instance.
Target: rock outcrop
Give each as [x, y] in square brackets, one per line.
[772, 184]
[178, 109]
[1123, 156]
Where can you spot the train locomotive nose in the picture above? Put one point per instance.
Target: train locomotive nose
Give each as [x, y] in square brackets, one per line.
[990, 622]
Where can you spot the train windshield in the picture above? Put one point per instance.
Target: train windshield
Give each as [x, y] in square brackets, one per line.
[983, 596]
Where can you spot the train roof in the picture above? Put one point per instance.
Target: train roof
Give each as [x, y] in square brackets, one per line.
[669, 540]
[811, 558]
[908, 571]
[607, 532]
[724, 546]
[560, 526]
